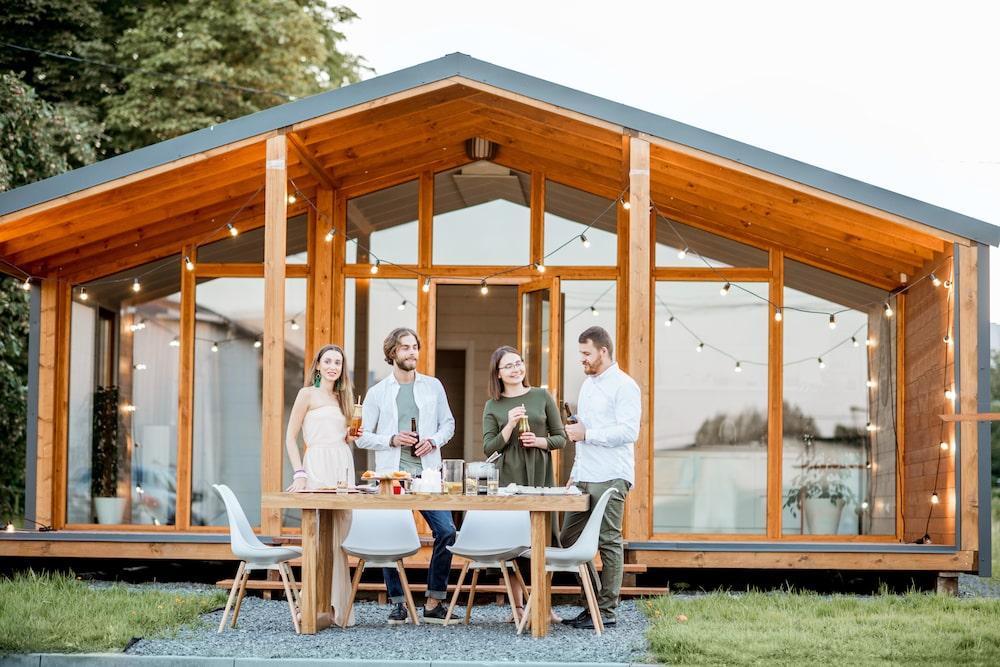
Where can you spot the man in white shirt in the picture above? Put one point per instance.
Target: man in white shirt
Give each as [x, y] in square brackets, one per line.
[391, 407]
[607, 427]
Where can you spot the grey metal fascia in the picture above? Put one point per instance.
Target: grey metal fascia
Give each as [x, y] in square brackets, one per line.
[983, 404]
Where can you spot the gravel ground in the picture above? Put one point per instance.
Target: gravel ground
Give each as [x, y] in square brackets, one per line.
[265, 631]
[971, 586]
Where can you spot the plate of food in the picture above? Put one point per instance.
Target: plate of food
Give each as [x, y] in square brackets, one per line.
[395, 474]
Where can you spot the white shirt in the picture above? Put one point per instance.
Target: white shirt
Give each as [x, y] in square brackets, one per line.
[610, 410]
[380, 420]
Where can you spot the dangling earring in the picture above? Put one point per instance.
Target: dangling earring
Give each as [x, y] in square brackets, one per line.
[338, 384]
[316, 377]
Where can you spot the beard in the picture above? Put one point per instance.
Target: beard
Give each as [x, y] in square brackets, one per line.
[406, 364]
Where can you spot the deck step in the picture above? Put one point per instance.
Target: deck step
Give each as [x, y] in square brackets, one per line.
[497, 589]
[456, 564]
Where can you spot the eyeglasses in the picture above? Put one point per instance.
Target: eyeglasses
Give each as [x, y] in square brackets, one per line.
[510, 367]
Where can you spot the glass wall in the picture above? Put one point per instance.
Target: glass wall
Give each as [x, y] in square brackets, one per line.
[838, 470]
[710, 406]
[580, 228]
[679, 245]
[248, 245]
[384, 223]
[482, 215]
[122, 441]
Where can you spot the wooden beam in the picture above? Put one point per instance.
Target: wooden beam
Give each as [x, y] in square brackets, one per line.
[337, 271]
[272, 410]
[425, 219]
[310, 161]
[185, 390]
[322, 281]
[972, 417]
[968, 392]
[677, 274]
[639, 316]
[46, 438]
[962, 561]
[775, 393]
[901, 380]
[537, 204]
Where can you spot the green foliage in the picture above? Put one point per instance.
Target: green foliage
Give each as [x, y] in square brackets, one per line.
[805, 629]
[104, 444]
[13, 396]
[750, 426]
[995, 407]
[58, 613]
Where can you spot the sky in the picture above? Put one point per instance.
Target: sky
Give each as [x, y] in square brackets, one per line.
[902, 95]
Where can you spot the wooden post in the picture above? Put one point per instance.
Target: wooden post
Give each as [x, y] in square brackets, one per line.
[185, 391]
[272, 411]
[60, 420]
[775, 393]
[337, 272]
[637, 340]
[321, 269]
[621, 295]
[537, 216]
[425, 249]
[48, 335]
[967, 509]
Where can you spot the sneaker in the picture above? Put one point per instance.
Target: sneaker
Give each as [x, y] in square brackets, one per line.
[587, 623]
[576, 619]
[398, 615]
[438, 615]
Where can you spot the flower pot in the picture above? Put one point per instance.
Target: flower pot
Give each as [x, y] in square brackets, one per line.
[822, 515]
[109, 510]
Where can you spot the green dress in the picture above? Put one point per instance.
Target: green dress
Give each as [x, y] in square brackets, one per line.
[529, 466]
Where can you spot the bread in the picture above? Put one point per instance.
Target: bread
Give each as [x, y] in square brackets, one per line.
[399, 474]
[368, 474]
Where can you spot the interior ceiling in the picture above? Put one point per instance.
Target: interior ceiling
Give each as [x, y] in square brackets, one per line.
[389, 145]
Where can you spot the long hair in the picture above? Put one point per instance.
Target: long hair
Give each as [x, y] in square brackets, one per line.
[495, 389]
[343, 390]
[391, 342]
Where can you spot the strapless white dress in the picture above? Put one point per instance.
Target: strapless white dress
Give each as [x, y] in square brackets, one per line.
[327, 461]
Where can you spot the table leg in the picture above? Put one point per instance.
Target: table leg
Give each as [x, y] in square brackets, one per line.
[317, 569]
[539, 578]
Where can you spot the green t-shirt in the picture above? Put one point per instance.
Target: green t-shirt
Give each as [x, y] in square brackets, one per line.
[406, 409]
[528, 466]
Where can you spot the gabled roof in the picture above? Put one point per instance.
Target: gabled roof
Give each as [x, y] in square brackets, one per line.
[461, 65]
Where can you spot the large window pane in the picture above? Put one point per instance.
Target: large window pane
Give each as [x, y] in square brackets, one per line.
[384, 222]
[482, 215]
[710, 415]
[570, 213]
[689, 247]
[838, 472]
[248, 246]
[122, 453]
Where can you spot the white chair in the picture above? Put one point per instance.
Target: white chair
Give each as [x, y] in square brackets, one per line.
[575, 559]
[382, 538]
[255, 555]
[490, 539]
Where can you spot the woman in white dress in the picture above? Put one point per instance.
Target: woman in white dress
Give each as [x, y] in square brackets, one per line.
[319, 411]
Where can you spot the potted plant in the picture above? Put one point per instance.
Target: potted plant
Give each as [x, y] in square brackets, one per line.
[820, 491]
[104, 457]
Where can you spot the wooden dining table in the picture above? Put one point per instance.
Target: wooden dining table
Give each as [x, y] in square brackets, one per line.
[317, 538]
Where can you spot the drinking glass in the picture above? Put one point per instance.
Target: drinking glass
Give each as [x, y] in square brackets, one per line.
[492, 482]
[453, 472]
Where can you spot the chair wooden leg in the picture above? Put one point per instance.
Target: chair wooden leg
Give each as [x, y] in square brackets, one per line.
[526, 616]
[358, 571]
[510, 591]
[458, 589]
[472, 596]
[232, 594]
[289, 597]
[520, 578]
[406, 591]
[239, 597]
[294, 585]
[588, 589]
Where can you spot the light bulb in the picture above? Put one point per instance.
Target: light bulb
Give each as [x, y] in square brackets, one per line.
[135, 285]
[584, 241]
[140, 367]
[10, 527]
[833, 321]
[83, 294]
[935, 499]
[864, 504]
[854, 341]
[943, 445]
[232, 230]
[188, 264]
[427, 285]
[725, 289]
[329, 235]
[374, 267]
[947, 339]
[138, 489]
[869, 342]
[175, 342]
[887, 309]
[291, 199]
[949, 394]
[701, 346]
[626, 204]
[870, 384]
[257, 344]
[935, 280]
[539, 267]
[819, 360]
[669, 321]
[402, 305]
[777, 315]
[870, 427]
[947, 284]
[295, 325]
[483, 289]
[215, 347]
[737, 368]
[681, 254]
[26, 285]
[594, 311]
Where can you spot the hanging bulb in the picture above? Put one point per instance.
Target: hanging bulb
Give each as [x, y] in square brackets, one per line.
[869, 342]
[128, 408]
[291, 199]
[701, 346]
[138, 489]
[139, 367]
[682, 253]
[935, 499]
[232, 230]
[483, 289]
[374, 267]
[737, 368]
[949, 394]
[295, 325]
[83, 294]
[864, 504]
[871, 384]
[625, 203]
[594, 311]
[777, 315]
[329, 235]
[935, 280]
[540, 267]
[10, 527]
[833, 321]
[887, 309]
[402, 305]
[947, 284]
[870, 427]
[26, 285]
[669, 321]
[947, 339]
[427, 285]
[584, 241]
[854, 341]
[819, 360]
[725, 289]
[175, 342]
[943, 445]
[188, 264]
[135, 285]
[215, 347]
[257, 344]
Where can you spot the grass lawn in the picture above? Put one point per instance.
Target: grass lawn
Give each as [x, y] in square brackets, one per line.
[59, 614]
[804, 628]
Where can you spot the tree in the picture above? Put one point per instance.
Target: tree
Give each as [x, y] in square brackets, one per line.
[751, 426]
[13, 396]
[995, 407]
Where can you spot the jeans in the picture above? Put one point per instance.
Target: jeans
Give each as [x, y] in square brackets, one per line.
[443, 529]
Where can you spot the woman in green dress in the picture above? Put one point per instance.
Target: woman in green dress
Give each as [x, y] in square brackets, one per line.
[526, 457]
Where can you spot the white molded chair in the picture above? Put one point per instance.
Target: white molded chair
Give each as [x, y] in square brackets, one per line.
[382, 538]
[490, 539]
[575, 559]
[255, 555]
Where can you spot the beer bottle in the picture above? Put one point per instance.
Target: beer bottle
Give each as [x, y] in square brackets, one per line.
[413, 427]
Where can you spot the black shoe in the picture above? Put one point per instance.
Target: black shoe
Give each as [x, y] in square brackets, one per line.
[398, 615]
[576, 619]
[438, 615]
[587, 623]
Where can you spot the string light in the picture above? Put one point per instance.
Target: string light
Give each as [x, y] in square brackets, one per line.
[947, 284]
[374, 267]
[864, 504]
[139, 367]
[943, 445]
[257, 344]
[10, 527]
[594, 311]
[584, 241]
[869, 342]
[777, 314]
[854, 341]
[26, 285]
[402, 305]
[291, 199]
[427, 285]
[935, 499]
[819, 360]
[682, 253]
[947, 339]
[870, 427]
[737, 368]
[128, 408]
[887, 309]
[295, 325]
[701, 346]
[669, 321]
[625, 203]
[188, 264]
[725, 289]
[175, 342]
[215, 346]
[232, 230]
[871, 384]
[949, 394]
[539, 267]
[83, 294]
[135, 285]
[833, 321]
[483, 289]
[330, 234]
[935, 280]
